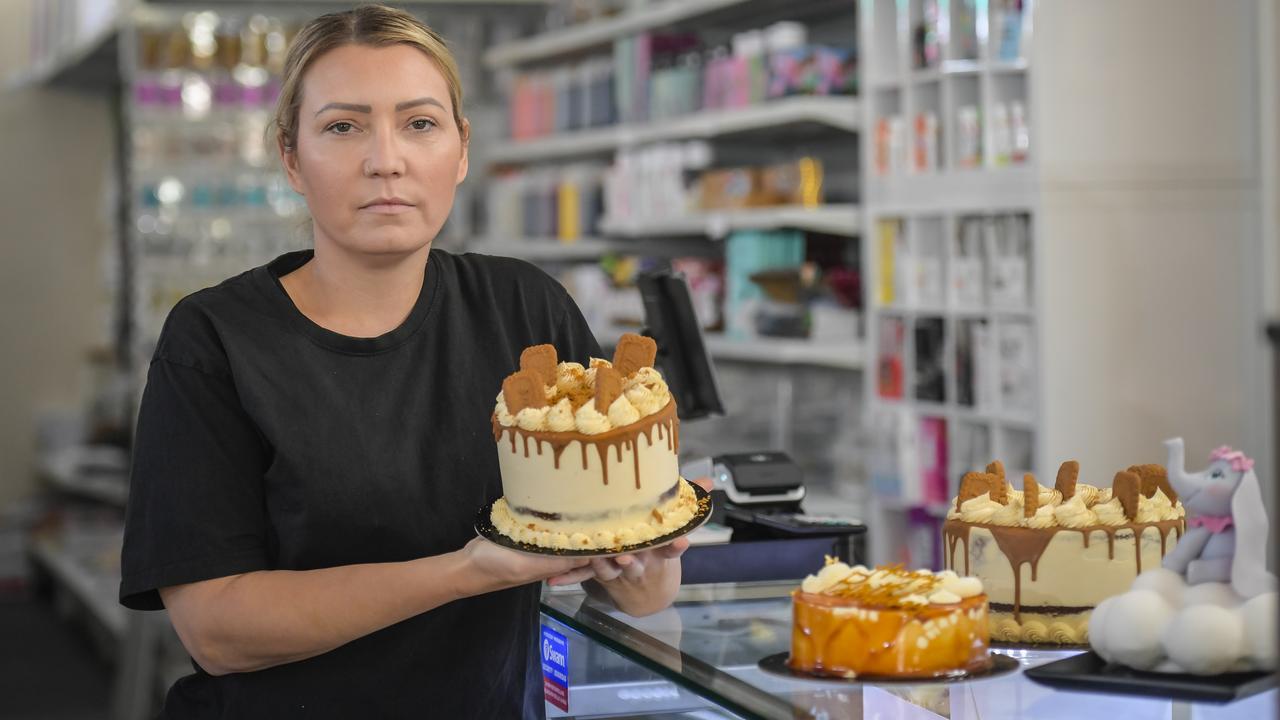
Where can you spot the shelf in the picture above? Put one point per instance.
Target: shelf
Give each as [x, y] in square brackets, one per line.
[91, 64]
[838, 113]
[553, 250]
[846, 355]
[914, 311]
[595, 34]
[110, 489]
[108, 486]
[985, 190]
[960, 67]
[1009, 66]
[938, 510]
[842, 219]
[96, 592]
[779, 351]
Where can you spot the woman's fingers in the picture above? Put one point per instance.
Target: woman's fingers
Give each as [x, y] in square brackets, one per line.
[673, 550]
[606, 569]
[573, 576]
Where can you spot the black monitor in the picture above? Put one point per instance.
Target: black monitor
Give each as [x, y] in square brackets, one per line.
[682, 353]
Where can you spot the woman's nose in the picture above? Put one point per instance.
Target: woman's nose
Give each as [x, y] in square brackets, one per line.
[385, 158]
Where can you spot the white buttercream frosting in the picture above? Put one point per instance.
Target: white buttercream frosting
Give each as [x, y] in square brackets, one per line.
[1110, 513]
[1074, 513]
[560, 418]
[591, 421]
[622, 412]
[532, 418]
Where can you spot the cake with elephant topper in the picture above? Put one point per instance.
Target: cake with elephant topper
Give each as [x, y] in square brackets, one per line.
[588, 456]
[1048, 555]
[1211, 607]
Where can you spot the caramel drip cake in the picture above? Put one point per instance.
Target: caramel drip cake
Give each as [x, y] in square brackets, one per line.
[589, 456]
[888, 622]
[1048, 556]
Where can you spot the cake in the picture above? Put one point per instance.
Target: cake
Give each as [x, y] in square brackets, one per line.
[888, 622]
[1211, 607]
[588, 456]
[1048, 556]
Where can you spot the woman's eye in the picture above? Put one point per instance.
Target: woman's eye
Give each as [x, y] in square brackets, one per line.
[341, 128]
[422, 124]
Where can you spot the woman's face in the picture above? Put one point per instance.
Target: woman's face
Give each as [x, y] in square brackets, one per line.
[377, 154]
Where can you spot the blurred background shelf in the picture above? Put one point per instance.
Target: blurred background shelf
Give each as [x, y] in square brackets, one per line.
[799, 115]
[837, 219]
[95, 591]
[837, 355]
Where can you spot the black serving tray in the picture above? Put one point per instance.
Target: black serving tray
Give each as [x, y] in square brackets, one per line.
[485, 529]
[1089, 672]
[780, 664]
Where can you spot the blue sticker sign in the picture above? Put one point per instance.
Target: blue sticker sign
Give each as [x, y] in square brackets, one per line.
[555, 668]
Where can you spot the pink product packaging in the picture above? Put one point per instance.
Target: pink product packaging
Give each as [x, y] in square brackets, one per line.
[933, 459]
[812, 70]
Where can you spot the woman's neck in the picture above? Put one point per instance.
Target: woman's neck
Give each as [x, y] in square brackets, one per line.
[355, 296]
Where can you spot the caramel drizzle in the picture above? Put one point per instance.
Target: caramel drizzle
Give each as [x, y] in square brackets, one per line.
[627, 437]
[1026, 545]
[1021, 546]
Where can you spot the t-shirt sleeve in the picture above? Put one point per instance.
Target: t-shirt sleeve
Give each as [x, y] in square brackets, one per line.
[196, 509]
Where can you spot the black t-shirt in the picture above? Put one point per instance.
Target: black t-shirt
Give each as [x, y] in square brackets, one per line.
[265, 442]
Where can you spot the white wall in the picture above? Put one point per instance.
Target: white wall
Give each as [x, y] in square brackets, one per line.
[1147, 117]
[54, 160]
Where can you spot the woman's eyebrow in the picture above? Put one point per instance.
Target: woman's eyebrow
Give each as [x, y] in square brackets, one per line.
[345, 106]
[352, 107]
[420, 101]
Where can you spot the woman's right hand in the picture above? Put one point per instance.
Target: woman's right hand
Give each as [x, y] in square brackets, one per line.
[492, 567]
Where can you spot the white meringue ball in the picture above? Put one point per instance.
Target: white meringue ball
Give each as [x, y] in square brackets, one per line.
[1097, 636]
[1166, 583]
[1259, 616]
[1205, 639]
[1135, 622]
[1216, 594]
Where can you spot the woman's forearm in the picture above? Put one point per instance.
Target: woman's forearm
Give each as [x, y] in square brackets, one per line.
[268, 618]
[262, 619]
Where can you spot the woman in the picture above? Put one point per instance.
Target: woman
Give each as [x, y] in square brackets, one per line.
[314, 437]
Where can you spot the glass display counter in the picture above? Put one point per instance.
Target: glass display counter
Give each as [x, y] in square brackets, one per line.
[698, 659]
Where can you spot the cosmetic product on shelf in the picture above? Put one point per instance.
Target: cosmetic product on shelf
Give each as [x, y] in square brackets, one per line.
[748, 252]
[890, 363]
[930, 360]
[968, 137]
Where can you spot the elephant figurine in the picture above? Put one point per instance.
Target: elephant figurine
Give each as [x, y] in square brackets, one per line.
[1226, 537]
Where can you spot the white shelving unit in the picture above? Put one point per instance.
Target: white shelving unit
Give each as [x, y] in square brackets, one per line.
[585, 37]
[838, 113]
[926, 207]
[96, 591]
[834, 219]
[1122, 182]
[775, 123]
[767, 351]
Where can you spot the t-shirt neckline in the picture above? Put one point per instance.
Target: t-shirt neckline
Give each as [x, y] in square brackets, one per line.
[268, 278]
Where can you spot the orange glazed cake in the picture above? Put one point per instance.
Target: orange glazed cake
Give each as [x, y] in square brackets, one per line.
[1048, 555]
[888, 622]
[588, 456]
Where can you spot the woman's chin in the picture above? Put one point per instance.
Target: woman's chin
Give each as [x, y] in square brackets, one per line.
[388, 243]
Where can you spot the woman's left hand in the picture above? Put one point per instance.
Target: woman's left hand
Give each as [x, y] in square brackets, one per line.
[639, 583]
[628, 568]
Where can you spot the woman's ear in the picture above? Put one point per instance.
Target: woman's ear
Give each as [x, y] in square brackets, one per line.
[289, 159]
[465, 132]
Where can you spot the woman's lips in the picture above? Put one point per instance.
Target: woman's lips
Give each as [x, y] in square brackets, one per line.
[388, 208]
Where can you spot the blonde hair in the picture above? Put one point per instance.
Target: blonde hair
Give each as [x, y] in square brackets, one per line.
[370, 25]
